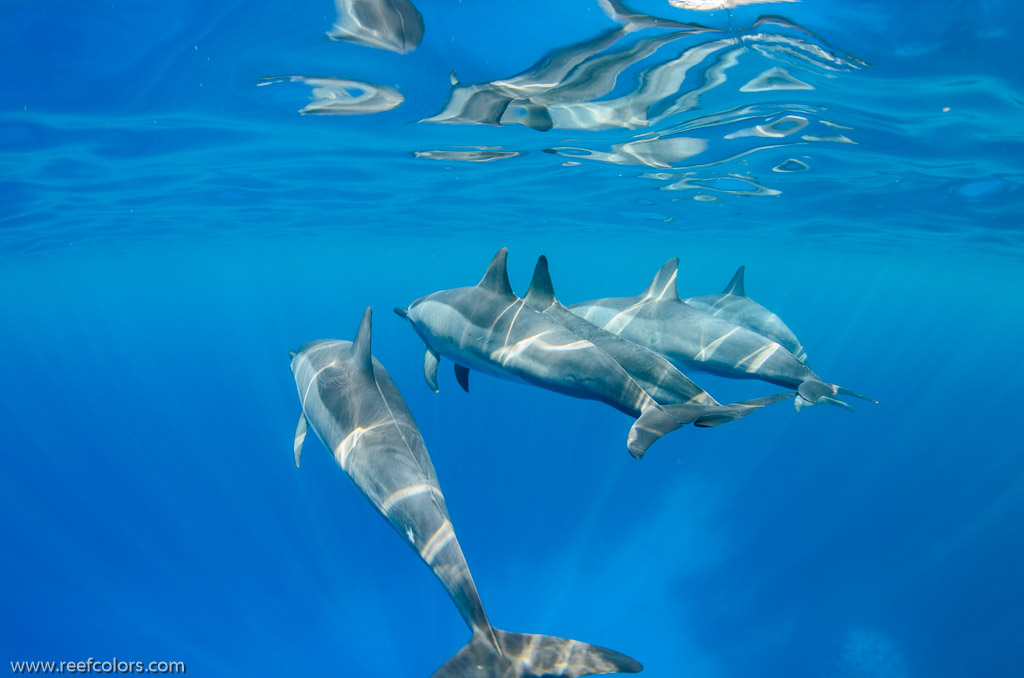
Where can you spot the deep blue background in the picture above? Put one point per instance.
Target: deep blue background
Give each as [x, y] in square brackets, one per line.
[169, 231]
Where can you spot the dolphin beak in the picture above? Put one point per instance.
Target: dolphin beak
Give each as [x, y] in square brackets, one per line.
[291, 355]
[402, 312]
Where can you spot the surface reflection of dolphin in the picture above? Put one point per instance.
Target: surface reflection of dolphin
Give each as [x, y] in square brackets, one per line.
[394, 25]
[566, 88]
[338, 96]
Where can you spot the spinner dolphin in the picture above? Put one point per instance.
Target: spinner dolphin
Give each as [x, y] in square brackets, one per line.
[354, 407]
[489, 329]
[693, 338]
[652, 371]
[735, 306]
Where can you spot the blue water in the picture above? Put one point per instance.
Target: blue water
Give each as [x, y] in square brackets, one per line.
[170, 229]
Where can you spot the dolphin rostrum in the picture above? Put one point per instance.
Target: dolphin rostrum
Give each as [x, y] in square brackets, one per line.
[652, 371]
[352, 404]
[735, 306]
[688, 336]
[489, 329]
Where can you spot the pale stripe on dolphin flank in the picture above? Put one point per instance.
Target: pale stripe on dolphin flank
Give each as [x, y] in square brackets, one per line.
[708, 350]
[407, 492]
[349, 442]
[437, 541]
[623, 317]
[512, 323]
[758, 357]
[312, 380]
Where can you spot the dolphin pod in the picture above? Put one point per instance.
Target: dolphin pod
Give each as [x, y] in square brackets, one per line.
[626, 352]
[655, 374]
[354, 407]
[489, 329]
[691, 337]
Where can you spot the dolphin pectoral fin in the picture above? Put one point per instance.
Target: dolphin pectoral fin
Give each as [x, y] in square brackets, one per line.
[653, 423]
[300, 436]
[462, 375]
[531, 656]
[828, 400]
[430, 361]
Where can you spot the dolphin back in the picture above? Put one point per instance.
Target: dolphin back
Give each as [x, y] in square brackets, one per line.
[494, 653]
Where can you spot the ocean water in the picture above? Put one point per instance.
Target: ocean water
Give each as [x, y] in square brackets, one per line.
[171, 227]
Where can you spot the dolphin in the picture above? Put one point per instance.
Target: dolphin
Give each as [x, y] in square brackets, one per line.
[394, 25]
[489, 329]
[351, 403]
[735, 306]
[688, 336]
[652, 371]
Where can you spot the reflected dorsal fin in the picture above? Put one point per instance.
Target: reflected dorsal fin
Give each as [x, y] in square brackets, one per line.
[663, 287]
[361, 344]
[735, 285]
[496, 278]
[541, 294]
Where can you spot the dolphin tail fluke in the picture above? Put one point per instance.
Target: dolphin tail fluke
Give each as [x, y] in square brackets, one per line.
[852, 394]
[723, 414]
[653, 423]
[812, 392]
[523, 655]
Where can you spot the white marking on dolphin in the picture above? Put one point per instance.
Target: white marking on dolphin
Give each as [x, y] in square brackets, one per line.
[735, 306]
[354, 405]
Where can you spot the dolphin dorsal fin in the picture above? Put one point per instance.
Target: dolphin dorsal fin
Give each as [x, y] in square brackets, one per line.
[663, 286]
[361, 344]
[541, 294]
[496, 278]
[735, 285]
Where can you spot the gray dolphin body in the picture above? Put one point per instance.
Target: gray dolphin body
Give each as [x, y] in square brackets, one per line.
[652, 371]
[394, 25]
[489, 329]
[659, 320]
[735, 306]
[357, 411]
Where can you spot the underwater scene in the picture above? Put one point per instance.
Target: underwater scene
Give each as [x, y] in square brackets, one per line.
[461, 338]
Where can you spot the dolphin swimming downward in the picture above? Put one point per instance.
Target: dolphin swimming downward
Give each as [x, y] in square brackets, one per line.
[659, 320]
[357, 411]
[488, 328]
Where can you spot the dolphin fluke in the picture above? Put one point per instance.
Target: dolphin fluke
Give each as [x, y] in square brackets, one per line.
[852, 394]
[499, 654]
[812, 392]
[723, 414]
[653, 422]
